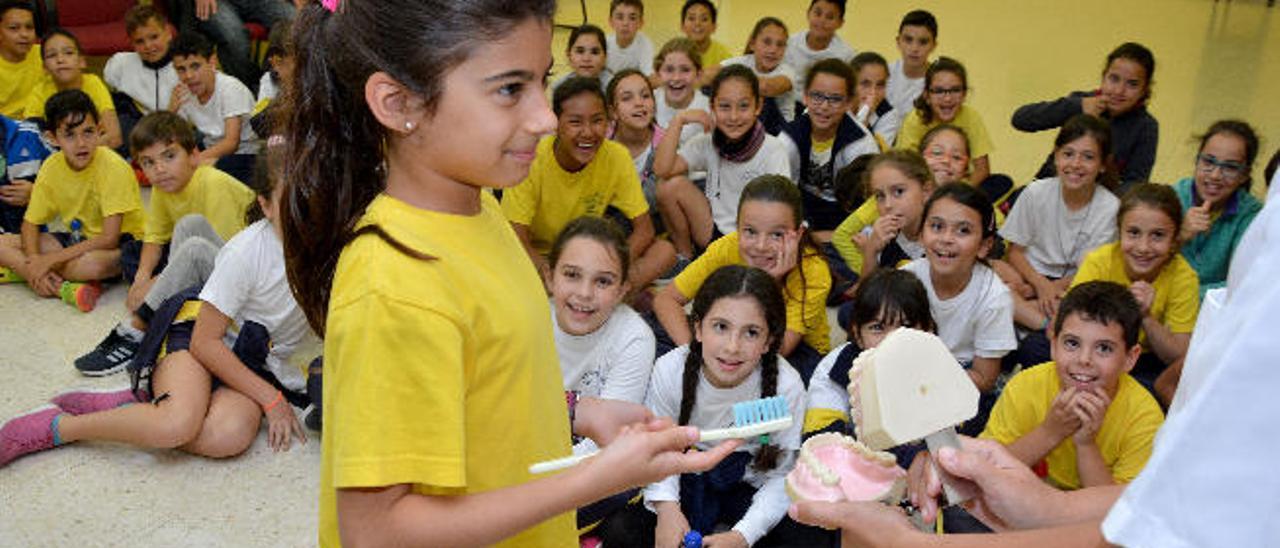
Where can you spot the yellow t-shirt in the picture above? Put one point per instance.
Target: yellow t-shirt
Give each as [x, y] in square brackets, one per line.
[219, 197]
[716, 53]
[103, 188]
[913, 130]
[91, 85]
[551, 197]
[16, 81]
[1124, 439]
[806, 295]
[842, 238]
[442, 373]
[1177, 300]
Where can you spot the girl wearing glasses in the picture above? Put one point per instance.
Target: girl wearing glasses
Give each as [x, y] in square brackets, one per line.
[1217, 202]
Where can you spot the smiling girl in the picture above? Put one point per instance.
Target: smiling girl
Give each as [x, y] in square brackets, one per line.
[764, 55]
[65, 67]
[587, 55]
[943, 102]
[679, 67]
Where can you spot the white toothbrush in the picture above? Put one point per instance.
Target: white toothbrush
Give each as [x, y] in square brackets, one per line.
[750, 419]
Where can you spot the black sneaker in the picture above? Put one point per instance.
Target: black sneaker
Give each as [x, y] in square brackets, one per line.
[113, 354]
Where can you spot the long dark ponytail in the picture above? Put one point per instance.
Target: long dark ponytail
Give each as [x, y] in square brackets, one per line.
[738, 281]
[336, 148]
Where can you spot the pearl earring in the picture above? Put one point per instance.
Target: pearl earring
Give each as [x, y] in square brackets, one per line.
[408, 126]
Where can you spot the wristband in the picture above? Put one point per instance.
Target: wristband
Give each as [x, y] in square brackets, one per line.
[279, 398]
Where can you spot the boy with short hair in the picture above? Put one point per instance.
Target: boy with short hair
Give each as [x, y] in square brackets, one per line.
[627, 46]
[218, 106]
[145, 74]
[22, 150]
[21, 66]
[820, 40]
[917, 38]
[189, 202]
[579, 172]
[1080, 419]
[94, 193]
[698, 23]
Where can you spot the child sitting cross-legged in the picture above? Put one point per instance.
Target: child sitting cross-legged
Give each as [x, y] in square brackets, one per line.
[92, 192]
[194, 209]
[1080, 419]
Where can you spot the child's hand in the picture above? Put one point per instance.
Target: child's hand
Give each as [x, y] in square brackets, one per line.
[884, 230]
[1145, 295]
[787, 255]
[672, 525]
[645, 453]
[1196, 220]
[1062, 419]
[282, 426]
[602, 420]
[1094, 105]
[727, 539]
[206, 9]
[138, 291]
[17, 193]
[698, 116]
[1091, 408]
[179, 96]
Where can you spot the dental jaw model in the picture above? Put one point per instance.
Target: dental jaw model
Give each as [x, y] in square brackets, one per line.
[907, 388]
[835, 468]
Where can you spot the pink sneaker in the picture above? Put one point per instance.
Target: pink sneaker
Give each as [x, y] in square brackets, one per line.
[83, 402]
[28, 433]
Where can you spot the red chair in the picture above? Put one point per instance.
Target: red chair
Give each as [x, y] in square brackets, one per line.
[98, 24]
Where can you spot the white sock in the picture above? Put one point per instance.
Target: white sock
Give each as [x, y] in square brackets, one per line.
[129, 331]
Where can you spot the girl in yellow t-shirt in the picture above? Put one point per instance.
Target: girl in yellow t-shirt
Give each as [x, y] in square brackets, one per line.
[441, 383]
[65, 67]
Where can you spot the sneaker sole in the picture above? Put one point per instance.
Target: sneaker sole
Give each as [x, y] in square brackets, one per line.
[103, 372]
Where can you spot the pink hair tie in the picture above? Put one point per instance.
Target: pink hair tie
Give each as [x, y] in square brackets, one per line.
[331, 5]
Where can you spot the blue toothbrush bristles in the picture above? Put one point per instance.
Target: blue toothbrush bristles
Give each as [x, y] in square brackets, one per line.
[762, 410]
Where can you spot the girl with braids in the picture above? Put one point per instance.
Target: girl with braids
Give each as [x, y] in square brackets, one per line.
[739, 318]
[769, 237]
[441, 383]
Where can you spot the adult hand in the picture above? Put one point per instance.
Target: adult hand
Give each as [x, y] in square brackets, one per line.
[1007, 496]
[205, 9]
[282, 426]
[860, 523]
[17, 193]
[602, 420]
[672, 525]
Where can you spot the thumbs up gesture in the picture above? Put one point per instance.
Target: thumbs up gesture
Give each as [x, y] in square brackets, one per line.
[1195, 221]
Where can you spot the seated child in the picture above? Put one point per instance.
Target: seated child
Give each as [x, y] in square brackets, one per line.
[739, 318]
[899, 183]
[822, 141]
[146, 74]
[1121, 99]
[679, 69]
[20, 59]
[819, 41]
[1217, 202]
[1146, 260]
[698, 23]
[631, 110]
[216, 104]
[1057, 220]
[226, 366]
[917, 38]
[22, 150]
[266, 112]
[765, 51]
[734, 150]
[578, 172]
[771, 237]
[587, 55]
[1081, 420]
[194, 209]
[94, 194]
[628, 47]
[870, 106]
[65, 67]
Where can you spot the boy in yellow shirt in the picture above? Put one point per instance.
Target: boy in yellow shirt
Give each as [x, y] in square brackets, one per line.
[579, 172]
[194, 210]
[1081, 420]
[92, 190]
[20, 61]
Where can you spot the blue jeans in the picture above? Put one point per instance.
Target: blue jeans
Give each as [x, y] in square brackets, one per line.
[226, 29]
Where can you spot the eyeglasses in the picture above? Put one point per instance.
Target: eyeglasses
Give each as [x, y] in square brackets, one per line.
[819, 98]
[946, 91]
[1230, 170]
